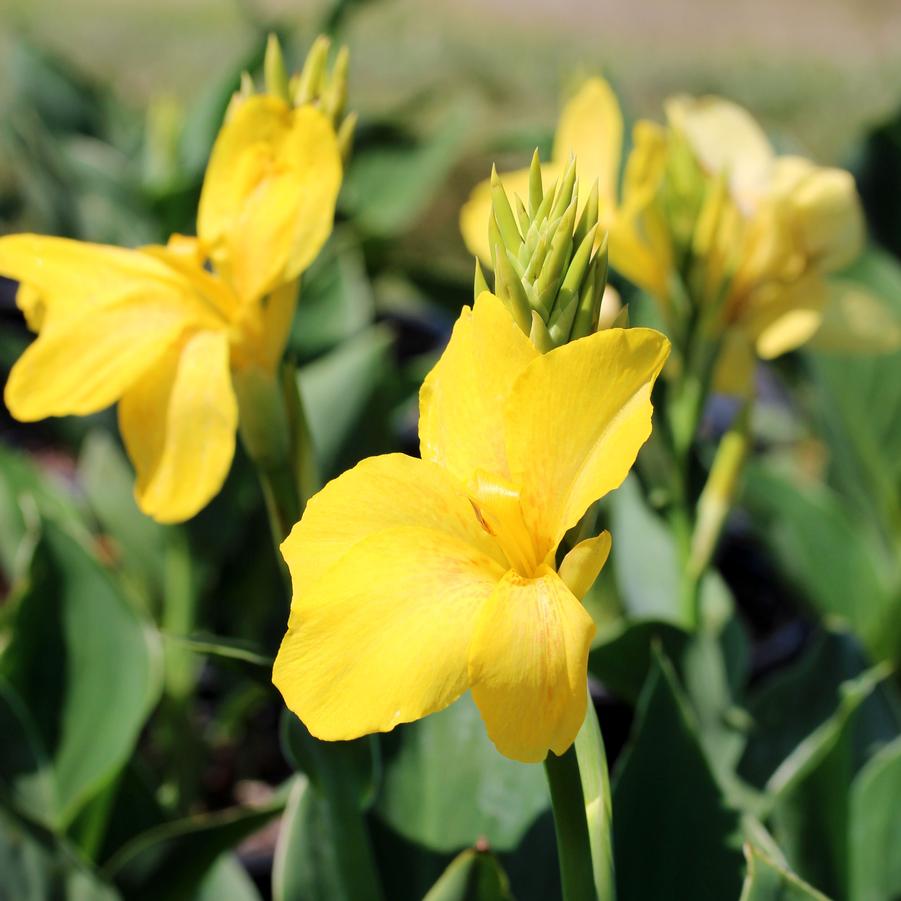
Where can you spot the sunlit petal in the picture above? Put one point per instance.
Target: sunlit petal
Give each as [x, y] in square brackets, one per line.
[582, 565]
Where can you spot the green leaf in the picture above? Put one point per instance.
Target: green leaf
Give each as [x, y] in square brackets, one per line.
[180, 854]
[337, 387]
[85, 665]
[768, 880]
[343, 776]
[831, 557]
[471, 876]
[673, 835]
[389, 184]
[445, 786]
[227, 880]
[648, 592]
[811, 794]
[875, 828]
[35, 864]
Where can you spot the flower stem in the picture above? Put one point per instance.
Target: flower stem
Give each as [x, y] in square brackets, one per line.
[573, 844]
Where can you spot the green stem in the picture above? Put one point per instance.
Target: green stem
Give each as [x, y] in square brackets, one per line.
[573, 844]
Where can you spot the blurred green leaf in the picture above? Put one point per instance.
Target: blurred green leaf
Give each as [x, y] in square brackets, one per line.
[648, 592]
[337, 387]
[829, 555]
[227, 880]
[180, 854]
[875, 828]
[674, 836]
[446, 786]
[471, 876]
[810, 810]
[343, 779]
[797, 700]
[768, 880]
[85, 665]
[35, 865]
[390, 184]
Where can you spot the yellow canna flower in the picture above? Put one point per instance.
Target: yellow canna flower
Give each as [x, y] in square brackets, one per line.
[416, 580]
[169, 331]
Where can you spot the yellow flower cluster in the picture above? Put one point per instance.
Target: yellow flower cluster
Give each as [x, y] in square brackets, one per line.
[708, 220]
[169, 331]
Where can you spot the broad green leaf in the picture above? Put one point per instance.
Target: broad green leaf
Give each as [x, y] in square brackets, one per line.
[136, 541]
[875, 828]
[832, 558]
[445, 786]
[336, 301]
[811, 787]
[180, 854]
[389, 184]
[674, 836]
[337, 387]
[342, 779]
[648, 592]
[37, 865]
[84, 664]
[768, 880]
[472, 875]
[793, 702]
[227, 880]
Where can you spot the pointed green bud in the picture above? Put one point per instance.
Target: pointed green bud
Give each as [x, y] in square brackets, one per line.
[480, 283]
[334, 96]
[509, 289]
[539, 335]
[247, 88]
[274, 74]
[546, 268]
[589, 218]
[346, 136]
[312, 76]
[503, 214]
[536, 192]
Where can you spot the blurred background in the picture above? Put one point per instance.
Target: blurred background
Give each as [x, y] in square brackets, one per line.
[155, 642]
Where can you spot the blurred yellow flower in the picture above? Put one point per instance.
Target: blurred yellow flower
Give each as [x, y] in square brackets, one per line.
[165, 330]
[706, 203]
[417, 579]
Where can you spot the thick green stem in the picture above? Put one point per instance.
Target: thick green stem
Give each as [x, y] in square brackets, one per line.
[573, 844]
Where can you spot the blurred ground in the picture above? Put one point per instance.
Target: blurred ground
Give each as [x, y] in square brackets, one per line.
[817, 72]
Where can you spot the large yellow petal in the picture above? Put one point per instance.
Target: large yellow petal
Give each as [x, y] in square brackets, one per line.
[461, 404]
[591, 128]
[726, 138]
[575, 421]
[68, 279]
[383, 636]
[529, 665]
[178, 423]
[475, 213]
[83, 364]
[268, 200]
[377, 494]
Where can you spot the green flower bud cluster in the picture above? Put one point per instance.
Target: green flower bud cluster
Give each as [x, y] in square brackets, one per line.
[318, 84]
[550, 268]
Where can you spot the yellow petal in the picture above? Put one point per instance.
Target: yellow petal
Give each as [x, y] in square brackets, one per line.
[268, 199]
[780, 318]
[461, 404]
[591, 128]
[73, 278]
[582, 565]
[475, 213]
[383, 636]
[575, 421]
[529, 665]
[178, 423]
[82, 365]
[725, 138]
[377, 494]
